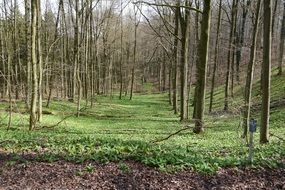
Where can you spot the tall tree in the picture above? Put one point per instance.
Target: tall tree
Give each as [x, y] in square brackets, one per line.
[202, 66]
[33, 114]
[137, 22]
[40, 62]
[216, 57]
[184, 25]
[28, 50]
[175, 59]
[266, 72]
[282, 40]
[250, 69]
[230, 51]
[240, 37]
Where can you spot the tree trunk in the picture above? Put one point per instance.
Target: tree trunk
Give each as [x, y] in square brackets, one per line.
[282, 39]
[135, 55]
[33, 114]
[266, 73]
[228, 73]
[216, 57]
[40, 62]
[76, 57]
[175, 64]
[202, 66]
[184, 24]
[121, 55]
[250, 69]
[28, 51]
[240, 40]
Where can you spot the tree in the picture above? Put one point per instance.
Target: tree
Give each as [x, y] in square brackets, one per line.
[250, 68]
[28, 50]
[240, 37]
[230, 51]
[202, 66]
[216, 57]
[282, 40]
[76, 44]
[184, 25]
[175, 59]
[33, 114]
[40, 62]
[135, 52]
[266, 72]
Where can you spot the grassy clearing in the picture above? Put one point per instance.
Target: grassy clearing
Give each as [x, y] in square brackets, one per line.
[114, 131]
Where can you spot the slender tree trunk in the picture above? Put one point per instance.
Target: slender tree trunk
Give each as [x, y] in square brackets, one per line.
[16, 82]
[266, 72]
[240, 40]
[228, 73]
[121, 55]
[216, 57]
[52, 77]
[76, 73]
[250, 69]
[4, 81]
[135, 55]
[202, 66]
[276, 2]
[170, 73]
[175, 64]
[197, 39]
[133, 67]
[281, 45]
[33, 114]
[184, 24]
[40, 62]
[234, 48]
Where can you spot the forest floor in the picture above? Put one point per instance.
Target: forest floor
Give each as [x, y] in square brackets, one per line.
[113, 146]
[66, 175]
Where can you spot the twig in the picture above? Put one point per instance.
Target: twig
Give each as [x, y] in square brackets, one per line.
[7, 141]
[169, 5]
[277, 137]
[65, 118]
[58, 122]
[177, 132]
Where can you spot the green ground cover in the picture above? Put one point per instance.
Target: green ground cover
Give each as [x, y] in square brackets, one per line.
[118, 130]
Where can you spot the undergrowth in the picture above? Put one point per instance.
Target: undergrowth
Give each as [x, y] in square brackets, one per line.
[122, 130]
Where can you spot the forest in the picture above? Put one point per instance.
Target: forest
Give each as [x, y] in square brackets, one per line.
[142, 94]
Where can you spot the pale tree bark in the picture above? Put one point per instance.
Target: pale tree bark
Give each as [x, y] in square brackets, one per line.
[282, 40]
[230, 49]
[184, 24]
[175, 60]
[240, 38]
[202, 67]
[216, 59]
[250, 69]
[40, 62]
[52, 77]
[15, 58]
[197, 39]
[28, 50]
[77, 56]
[121, 51]
[3, 72]
[234, 48]
[137, 22]
[276, 2]
[33, 114]
[266, 72]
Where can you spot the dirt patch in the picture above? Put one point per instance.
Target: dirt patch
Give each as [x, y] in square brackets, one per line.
[65, 175]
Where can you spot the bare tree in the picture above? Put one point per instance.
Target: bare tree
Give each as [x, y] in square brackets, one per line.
[266, 72]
